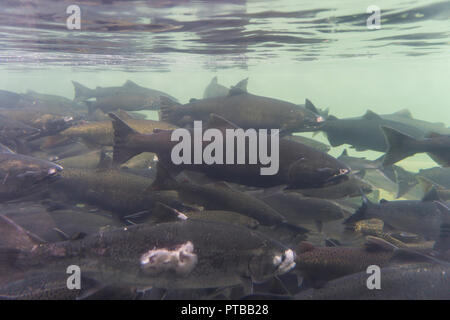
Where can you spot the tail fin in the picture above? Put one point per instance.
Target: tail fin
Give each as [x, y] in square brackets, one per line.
[90, 106]
[167, 109]
[405, 180]
[164, 179]
[14, 236]
[82, 92]
[121, 152]
[388, 172]
[359, 214]
[399, 146]
[427, 185]
[13, 241]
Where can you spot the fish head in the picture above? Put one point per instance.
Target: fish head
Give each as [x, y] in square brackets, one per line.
[323, 171]
[269, 263]
[30, 172]
[16, 129]
[304, 121]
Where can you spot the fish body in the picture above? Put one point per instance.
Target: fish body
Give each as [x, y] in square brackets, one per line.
[412, 282]
[299, 210]
[9, 99]
[425, 218]
[299, 165]
[101, 132]
[121, 192]
[321, 264]
[174, 255]
[44, 286]
[309, 142]
[348, 188]
[130, 96]
[51, 104]
[219, 197]
[246, 111]
[363, 133]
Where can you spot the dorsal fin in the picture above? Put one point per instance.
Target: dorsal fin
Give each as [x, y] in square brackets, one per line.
[130, 84]
[370, 115]
[123, 115]
[427, 184]
[383, 201]
[405, 113]
[431, 195]
[234, 91]
[214, 80]
[305, 246]
[241, 85]
[216, 121]
[310, 106]
[344, 153]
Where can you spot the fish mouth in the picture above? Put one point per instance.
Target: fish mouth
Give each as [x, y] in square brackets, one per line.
[320, 119]
[340, 176]
[284, 262]
[52, 175]
[314, 124]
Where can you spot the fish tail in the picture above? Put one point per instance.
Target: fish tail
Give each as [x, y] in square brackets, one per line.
[122, 131]
[164, 179]
[386, 171]
[404, 180]
[14, 240]
[360, 213]
[399, 146]
[426, 184]
[167, 109]
[91, 107]
[82, 92]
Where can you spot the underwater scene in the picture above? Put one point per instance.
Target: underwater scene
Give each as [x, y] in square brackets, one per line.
[224, 150]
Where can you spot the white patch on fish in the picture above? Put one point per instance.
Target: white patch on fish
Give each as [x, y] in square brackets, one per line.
[182, 259]
[284, 262]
